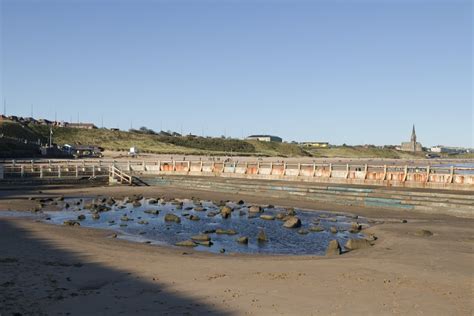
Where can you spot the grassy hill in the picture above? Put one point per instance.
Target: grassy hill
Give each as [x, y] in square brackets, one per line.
[19, 140]
[122, 141]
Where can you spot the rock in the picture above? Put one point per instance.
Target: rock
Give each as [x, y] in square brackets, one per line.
[303, 231]
[201, 237]
[211, 214]
[241, 202]
[270, 206]
[243, 240]
[267, 217]
[125, 218]
[95, 216]
[333, 248]
[194, 217]
[290, 211]
[355, 228]
[226, 231]
[152, 201]
[242, 213]
[81, 217]
[71, 222]
[143, 222]
[255, 209]
[226, 211]
[66, 205]
[252, 215]
[154, 212]
[261, 237]
[172, 218]
[110, 201]
[186, 243]
[206, 243]
[404, 221]
[424, 233]
[292, 222]
[222, 250]
[113, 236]
[280, 216]
[316, 229]
[354, 244]
[332, 219]
[209, 231]
[111, 222]
[333, 230]
[199, 209]
[137, 204]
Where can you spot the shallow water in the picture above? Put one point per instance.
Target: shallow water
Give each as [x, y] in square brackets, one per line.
[281, 240]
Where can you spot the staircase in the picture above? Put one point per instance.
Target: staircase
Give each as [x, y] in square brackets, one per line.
[118, 176]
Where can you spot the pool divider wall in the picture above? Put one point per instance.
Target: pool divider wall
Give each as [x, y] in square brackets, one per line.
[451, 203]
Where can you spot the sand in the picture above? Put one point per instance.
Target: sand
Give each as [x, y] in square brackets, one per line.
[58, 270]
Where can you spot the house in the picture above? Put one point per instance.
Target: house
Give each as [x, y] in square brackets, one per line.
[265, 138]
[315, 144]
[81, 125]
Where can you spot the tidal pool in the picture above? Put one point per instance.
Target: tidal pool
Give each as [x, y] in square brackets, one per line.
[140, 223]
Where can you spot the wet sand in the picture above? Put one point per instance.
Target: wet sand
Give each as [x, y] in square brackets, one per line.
[47, 269]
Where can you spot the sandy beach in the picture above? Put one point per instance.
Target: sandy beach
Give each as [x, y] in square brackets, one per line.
[59, 270]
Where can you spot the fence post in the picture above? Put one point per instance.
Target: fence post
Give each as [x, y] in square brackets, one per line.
[284, 168]
[406, 174]
[189, 166]
[59, 170]
[22, 171]
[330, 170]
[451, 179]
[271, 168]
[32, 166]
[314, 169]
[299, 169]
[428, 171]
[174, 165]
[41, 171]
[77, 171]
[201, 166]
[258, 167]
[93, 171]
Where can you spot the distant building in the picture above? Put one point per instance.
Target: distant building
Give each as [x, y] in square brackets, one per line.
[81, 125]
[450, 150]
[315, 144]
[265, 138]
[412, 145]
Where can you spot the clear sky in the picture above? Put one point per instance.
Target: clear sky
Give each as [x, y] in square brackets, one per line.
[355, 72]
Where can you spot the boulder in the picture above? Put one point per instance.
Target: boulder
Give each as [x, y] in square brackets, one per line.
[81, 217]
[292, 222]
[194, 217]
[262, 237]
[95, 216]
[226, 231]
[333, 248]
[137, 204]
[125, 218]
[201, 237]
[354, 244]
[280, 216]
[316, 229]
[143, 222]
[424, 233]
[211, 214]
[154, 212]
[241, 202]
[303, 231]
[172, 218]
[209, 231]
[255, 209]
[290, 211]
[199, 209]
[71, 222]
[152, 201]
[186, 243]
[206, 243]
[243, 240]
[226, 211]
[333, 230]
[267, 217]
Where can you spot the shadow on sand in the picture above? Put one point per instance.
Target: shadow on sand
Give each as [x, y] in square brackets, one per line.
[38, 278]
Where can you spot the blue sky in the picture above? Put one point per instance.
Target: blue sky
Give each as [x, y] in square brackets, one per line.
[355, 72]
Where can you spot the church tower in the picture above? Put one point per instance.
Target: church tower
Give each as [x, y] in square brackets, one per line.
[413, 135]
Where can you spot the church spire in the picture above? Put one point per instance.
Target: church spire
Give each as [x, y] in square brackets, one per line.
[413, 134]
